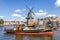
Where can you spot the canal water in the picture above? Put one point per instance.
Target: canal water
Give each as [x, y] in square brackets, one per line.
[3, 36]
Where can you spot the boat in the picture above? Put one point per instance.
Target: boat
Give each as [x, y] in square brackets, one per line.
[30, 29]
[28, 32]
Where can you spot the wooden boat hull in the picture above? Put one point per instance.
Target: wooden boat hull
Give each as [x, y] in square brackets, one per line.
[40, 33]
[29, 33]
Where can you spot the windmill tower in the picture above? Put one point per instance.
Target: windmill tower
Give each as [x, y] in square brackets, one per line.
[30, 14]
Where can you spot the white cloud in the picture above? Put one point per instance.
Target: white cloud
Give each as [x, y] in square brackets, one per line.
[57, 3]
[17, 17]
[51, 15]
[19, 11]
[1, 16]
[42, 10]
[41, 13]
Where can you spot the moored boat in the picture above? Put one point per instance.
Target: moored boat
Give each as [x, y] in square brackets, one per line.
[29, 32]
[32, 27]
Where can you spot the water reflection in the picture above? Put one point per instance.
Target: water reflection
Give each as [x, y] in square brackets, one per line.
[55, 36]
[22, 37]
[32, 37]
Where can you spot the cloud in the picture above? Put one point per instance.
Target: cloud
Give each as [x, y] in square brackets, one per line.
[42, 10]
[41, 13]
[20, 11]
[1, 16]
[51, 15]
[57, 3]
[17, 17]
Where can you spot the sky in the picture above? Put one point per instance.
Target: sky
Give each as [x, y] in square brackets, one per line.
[16, 10]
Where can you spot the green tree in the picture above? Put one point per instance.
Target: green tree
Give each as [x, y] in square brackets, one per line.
[1, 21]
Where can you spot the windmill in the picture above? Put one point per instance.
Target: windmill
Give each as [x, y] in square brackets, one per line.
[30, 13]
[30, 16]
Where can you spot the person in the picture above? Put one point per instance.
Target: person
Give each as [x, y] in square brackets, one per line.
[16, 28]
[20, 28]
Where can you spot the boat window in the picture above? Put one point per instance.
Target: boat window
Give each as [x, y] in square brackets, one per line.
[49, 24]
[40, 22]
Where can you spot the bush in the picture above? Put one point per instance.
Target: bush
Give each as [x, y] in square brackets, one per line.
[1, 21]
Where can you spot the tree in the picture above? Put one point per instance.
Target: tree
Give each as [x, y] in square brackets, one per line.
[1, 21]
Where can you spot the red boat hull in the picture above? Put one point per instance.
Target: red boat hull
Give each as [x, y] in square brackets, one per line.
[40, 33]
[29, 33]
